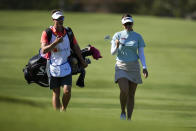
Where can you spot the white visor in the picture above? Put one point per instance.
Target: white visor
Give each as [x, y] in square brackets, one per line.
[126, 20]
[57, 15]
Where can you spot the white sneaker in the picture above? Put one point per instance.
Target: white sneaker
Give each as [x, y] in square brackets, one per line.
[123, 116]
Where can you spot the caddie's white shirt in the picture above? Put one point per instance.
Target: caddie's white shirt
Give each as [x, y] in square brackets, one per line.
[59, 65]
[61, 52]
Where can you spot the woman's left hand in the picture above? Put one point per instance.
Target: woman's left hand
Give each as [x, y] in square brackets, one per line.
[145, 73]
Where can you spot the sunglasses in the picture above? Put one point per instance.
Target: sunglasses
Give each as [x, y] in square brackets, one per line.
[60, 18]
[128, 24]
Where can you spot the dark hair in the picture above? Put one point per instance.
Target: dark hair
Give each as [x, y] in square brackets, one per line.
[126, 15]
[55, 10]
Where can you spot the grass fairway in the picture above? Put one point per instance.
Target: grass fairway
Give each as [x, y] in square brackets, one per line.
[166, 101]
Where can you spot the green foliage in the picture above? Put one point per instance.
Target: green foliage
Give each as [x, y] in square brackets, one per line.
[172, 8]
[30, 4]
[166, 100]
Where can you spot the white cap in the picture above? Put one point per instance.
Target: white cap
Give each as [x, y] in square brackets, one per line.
[57, 15]
[126, 20]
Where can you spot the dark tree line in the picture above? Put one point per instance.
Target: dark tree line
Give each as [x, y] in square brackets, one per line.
[172, 8]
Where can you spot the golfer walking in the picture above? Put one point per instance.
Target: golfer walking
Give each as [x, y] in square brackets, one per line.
[57, 51]
[129, 47]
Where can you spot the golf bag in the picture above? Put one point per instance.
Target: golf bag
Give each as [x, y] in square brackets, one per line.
[35, 70]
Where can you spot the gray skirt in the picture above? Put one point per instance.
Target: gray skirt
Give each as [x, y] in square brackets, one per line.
[128, 70]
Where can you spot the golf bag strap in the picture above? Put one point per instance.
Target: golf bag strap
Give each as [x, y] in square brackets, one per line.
[70, 36]
[49, 34]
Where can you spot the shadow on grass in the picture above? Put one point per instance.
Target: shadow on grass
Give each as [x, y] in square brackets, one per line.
[192, 127]
[22, 101]
[165, 107]
[185, 90]
[95, 105]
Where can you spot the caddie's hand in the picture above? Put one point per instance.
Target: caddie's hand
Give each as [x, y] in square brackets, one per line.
[58, 39]
[84, 64]
[117, 43]
[145, 73]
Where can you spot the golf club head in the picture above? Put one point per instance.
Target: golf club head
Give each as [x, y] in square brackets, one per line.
[107, 37]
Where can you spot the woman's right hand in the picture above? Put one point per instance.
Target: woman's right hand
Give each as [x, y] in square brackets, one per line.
[58, 39]
[46, 48]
